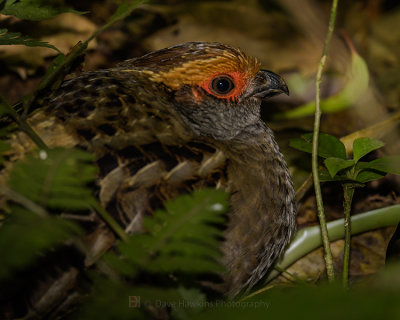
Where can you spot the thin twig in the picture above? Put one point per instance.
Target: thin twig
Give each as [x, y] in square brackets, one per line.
[348, 189]
[23, 201]
[317, 187]
[110, 221]
[291, 275]
[23, 125]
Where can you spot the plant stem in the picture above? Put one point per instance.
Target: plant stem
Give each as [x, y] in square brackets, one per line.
[110, 221]
[23, 201]
[348, 190]
[317, 187]
[23, 125]
[309, 239]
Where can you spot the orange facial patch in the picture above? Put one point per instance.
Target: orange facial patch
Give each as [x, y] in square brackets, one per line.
[240, 81]
[198, 69]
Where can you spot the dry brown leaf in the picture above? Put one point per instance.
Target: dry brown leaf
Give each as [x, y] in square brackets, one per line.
[368, 253]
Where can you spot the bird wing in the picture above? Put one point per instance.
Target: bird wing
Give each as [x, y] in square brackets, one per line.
[144, 153]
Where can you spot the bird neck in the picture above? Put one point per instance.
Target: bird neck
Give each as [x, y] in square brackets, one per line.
[263, 205]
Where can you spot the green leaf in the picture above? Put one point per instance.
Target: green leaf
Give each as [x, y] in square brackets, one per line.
[55, 178]
[354, 89]
[118, 300]
[389, 164]
[368, 171]
[32, 10]
[190, 302]
[110, 299]
[363, 146]
[324, 176]
[24, 236]
[373, 300]
[123, 11]
[334, 165]
[15, 38]
[328, 145]
[184, 237]
[369, 175]
[55, 65]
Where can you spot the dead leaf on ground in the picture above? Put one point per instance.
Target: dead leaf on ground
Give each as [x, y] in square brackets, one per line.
[368, 253]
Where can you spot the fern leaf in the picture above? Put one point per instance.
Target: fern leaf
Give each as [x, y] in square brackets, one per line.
[24, 236]
[13, 38]
[32, 10]
[57, 178]
[184, 237]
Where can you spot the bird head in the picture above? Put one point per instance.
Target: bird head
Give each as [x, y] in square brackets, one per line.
[217, 89]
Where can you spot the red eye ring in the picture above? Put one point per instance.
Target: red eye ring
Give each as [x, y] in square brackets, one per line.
[237, 81]
[222, 85]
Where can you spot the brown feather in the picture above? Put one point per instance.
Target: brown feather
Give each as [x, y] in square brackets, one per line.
[153, 140]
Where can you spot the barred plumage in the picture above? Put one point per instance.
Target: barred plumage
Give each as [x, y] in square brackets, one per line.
[159, 129]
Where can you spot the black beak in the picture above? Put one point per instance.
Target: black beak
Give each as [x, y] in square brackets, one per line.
[267, 84]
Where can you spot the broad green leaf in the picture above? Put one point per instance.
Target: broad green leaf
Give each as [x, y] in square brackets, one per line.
[363, 146]
[25, 236]
[389, 164]
[328, 145]
[354, 88]
[334, 165]
[192, 301]
[57, 178]
[373, 300]
[32, 10]
[110, 299]
[369, 175]
[15, 38]
[324, 176]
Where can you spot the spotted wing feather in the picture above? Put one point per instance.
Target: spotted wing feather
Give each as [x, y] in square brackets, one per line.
[145, 156]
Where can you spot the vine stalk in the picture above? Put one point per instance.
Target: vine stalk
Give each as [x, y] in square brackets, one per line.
[315, 167]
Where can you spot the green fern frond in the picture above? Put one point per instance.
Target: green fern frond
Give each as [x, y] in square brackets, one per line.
[32, 10]
[9, 38]
[24, 236]
[56, 178]
[183, 237]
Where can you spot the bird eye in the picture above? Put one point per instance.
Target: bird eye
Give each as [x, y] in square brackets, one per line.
[222, 85]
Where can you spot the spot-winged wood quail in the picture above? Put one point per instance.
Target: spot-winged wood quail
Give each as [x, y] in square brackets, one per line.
[176, 120]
